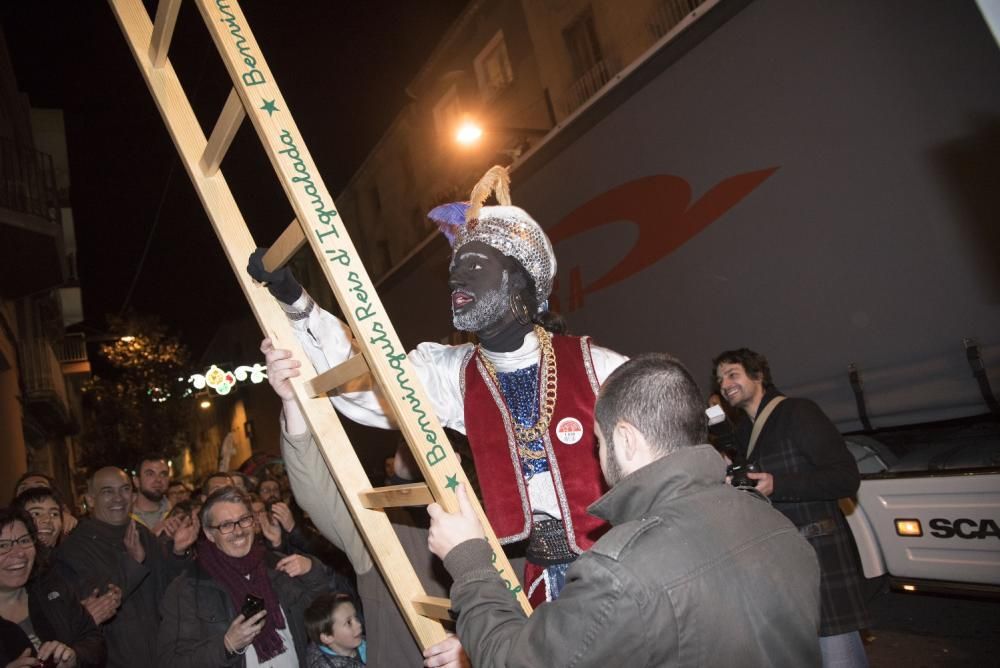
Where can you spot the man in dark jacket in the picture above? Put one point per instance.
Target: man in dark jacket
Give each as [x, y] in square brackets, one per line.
[693, 572]
[204, 623]
[110, 548]
[804, 467]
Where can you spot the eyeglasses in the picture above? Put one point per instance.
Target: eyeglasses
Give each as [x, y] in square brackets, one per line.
[245, 522]
[25, 541]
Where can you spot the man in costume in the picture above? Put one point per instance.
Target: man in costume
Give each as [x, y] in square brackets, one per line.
[804, 467]
[524, 395]
[694, 572]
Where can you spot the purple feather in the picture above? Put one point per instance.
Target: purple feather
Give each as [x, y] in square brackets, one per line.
[450, 218]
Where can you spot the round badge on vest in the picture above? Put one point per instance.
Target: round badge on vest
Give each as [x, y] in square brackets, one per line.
[569, 431]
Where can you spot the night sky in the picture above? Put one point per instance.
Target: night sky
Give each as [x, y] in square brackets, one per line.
[341, 66]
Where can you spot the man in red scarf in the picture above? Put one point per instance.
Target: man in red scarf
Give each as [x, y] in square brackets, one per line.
[203, 610]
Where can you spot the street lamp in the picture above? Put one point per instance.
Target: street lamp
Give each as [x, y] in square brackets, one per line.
[470, 132]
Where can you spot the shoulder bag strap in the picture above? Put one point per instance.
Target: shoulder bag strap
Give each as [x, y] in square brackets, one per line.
[758, 424]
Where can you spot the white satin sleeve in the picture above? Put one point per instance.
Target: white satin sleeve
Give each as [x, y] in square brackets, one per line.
[605, 361]
[327, 342]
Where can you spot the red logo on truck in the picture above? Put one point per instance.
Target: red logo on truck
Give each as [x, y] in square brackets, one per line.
[661, 208]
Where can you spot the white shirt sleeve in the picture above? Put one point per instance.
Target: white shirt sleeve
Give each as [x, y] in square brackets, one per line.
[605, 361]
[328, 342]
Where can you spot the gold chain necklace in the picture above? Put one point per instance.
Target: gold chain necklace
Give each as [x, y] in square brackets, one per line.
[547, 405]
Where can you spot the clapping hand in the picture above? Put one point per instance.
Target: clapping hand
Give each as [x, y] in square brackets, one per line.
[133, 544]
[294, 565]
[61, 655]
[103, 607]
[186, 533]
[283, 514]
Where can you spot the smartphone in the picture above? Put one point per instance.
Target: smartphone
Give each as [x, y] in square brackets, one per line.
[251, 606]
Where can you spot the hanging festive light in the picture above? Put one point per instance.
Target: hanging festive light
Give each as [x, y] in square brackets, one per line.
[223, 381]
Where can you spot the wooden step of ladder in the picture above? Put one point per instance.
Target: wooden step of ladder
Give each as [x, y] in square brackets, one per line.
[256, 96]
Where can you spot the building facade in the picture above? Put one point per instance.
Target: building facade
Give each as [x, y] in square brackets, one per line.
[516, 69]
[41, 367]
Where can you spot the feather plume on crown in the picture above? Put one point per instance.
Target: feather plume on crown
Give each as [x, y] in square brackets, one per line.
[452, 217]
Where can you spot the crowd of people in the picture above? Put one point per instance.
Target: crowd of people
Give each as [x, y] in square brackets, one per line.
[156, 573]
[633, 539]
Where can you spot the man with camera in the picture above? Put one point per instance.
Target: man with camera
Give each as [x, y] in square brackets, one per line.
[693, 572]
[797, 458]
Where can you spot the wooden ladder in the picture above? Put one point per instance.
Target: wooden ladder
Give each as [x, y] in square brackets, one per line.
[255, 95]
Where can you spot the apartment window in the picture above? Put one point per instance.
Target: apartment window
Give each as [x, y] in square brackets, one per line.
[493, 71]
[448, 114]
[581, 41]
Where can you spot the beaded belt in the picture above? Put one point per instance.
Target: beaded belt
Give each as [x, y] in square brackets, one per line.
[547, 544]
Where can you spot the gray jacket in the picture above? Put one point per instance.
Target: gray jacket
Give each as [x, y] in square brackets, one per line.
[694, 573]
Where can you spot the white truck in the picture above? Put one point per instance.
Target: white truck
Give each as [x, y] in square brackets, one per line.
[818, 181]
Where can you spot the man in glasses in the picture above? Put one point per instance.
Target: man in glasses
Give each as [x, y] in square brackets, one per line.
[250, 601]
[110, 552]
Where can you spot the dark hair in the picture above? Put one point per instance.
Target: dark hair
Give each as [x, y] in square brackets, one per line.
[753, 363]
[33, 474]
[217, 474]
[151, 457]
[181, 508]
[548, 320]
[36, 494]
[319, 614]
[12, 514]
[657, 395]
[230, 494]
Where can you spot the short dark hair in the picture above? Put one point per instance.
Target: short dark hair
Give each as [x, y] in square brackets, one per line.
[657, 395]
[218, 474]
[319, 614]
[36, 494]
[12, 514]
[33, 474]
[753, 363]
[151, 457]
[230, 494]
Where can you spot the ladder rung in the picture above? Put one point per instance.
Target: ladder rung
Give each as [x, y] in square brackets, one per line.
[396, 496]
[222, 135]
[282, 250]
[433, 607]
[163, 31]
[337, 376]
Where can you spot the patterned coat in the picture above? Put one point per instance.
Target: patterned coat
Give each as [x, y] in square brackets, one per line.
[812, 469]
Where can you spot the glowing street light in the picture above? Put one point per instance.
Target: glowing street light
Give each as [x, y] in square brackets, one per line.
[205, 404]
[468, 133]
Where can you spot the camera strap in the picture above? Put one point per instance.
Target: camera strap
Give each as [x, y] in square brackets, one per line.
[758, 424]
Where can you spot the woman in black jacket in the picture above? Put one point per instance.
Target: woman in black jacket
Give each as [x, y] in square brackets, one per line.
[39, 619]
[206, 620]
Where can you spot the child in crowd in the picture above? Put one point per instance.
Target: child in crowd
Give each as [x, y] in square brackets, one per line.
[335, 633]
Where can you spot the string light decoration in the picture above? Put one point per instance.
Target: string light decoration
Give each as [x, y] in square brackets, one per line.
[223, 381]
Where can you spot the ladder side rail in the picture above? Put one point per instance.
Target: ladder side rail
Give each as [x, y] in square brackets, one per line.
[341, 264]
[237, 243]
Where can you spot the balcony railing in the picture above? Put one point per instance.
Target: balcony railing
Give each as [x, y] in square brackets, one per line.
[73, 349]
[44, 386]
[592, 81]
[668, 13]
[27, 181]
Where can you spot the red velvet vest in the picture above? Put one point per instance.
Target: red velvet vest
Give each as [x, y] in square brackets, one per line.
[575, 468]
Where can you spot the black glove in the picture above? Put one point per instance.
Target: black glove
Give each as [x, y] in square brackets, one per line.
[281, 283]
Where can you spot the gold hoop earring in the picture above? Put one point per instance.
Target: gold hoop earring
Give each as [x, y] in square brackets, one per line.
[519, 309]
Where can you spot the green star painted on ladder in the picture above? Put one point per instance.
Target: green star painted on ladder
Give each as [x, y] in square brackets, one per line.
[269, 107]
[452, 483]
